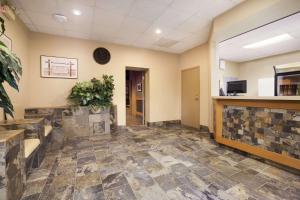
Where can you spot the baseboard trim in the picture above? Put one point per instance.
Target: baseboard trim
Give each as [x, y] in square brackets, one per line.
[164, 123]
[203, 128]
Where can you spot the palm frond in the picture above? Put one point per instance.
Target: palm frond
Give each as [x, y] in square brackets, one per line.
[10, 72]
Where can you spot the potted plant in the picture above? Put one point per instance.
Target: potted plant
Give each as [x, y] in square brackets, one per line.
[95, 94]
[10, 72]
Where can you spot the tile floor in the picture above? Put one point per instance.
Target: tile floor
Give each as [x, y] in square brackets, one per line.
[155, 164]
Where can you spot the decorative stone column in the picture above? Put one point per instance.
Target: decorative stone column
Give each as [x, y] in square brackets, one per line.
[12, 165]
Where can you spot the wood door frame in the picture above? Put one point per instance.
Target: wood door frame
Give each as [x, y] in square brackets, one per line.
[181, 71]
[145, 71]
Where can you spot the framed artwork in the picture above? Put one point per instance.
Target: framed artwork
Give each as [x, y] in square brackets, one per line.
[139, 87]
[59, 67]
[7, 41]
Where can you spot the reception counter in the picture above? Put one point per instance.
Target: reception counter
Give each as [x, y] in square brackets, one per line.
[268, 127]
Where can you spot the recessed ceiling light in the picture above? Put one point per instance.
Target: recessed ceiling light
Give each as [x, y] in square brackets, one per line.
[60, 18]
[76, 12]
[269, 41]
[158, 31]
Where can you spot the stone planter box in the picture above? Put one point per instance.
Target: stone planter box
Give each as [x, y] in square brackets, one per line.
[81, 121]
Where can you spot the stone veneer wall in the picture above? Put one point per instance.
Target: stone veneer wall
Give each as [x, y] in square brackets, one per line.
[34, 128]
[12, 168]
[276, 130]
[82, 122]
[52, 116]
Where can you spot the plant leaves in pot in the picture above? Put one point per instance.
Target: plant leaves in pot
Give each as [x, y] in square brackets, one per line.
[96, 94]
[10, 72]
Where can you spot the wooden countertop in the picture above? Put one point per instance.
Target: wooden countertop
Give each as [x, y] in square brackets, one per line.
[9, 135]
[21, 121]
[276, 98]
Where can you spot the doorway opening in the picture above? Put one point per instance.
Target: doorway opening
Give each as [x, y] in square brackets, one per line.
[135, 96]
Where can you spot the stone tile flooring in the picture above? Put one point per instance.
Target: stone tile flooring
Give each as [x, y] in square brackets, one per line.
[155, 164]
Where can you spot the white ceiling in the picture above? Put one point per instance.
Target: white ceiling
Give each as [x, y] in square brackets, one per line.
[184, 23]
[233, 50]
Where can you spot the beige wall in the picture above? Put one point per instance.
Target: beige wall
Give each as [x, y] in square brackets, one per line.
[231, 69]
[198, 56]
[263, 68]
[163, 74]
[19, 36]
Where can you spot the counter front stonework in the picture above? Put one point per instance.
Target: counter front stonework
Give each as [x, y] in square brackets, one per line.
[266, 127]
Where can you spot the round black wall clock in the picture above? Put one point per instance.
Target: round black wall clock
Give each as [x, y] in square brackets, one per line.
[101, 56]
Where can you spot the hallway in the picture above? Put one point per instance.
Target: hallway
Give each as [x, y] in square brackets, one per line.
[133, 120]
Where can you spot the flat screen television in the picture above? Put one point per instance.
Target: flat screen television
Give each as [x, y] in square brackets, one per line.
[236, 87]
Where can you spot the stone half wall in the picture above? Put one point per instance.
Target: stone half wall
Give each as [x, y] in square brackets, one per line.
[276, 130]
[12, 168]
[54, 116]
[82, 122]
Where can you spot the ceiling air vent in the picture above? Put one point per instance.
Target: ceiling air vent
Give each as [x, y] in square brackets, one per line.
[166, 43]
[60, 18]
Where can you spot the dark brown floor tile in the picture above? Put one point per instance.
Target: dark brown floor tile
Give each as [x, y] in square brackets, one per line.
[114, 180]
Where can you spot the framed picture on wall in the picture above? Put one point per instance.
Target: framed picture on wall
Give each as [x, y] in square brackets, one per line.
[139, 87]
[7, 41]
[59, 67]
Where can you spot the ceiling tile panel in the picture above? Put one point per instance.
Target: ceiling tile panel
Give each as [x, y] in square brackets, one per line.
[76, 34]
[22, 14]
[39, 19]
[118, 6]
[81, 24]
[128, 34]
[51, 30]
[102, 37]
[135, 24]
[195, 24]
[172, 18]
[191, 6]
[129, 22]
[147, 10]
[41, 6]
[107, 19]
[90, 3]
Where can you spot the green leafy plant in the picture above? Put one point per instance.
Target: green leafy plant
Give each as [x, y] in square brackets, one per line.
[94, 93]
[10, 72]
